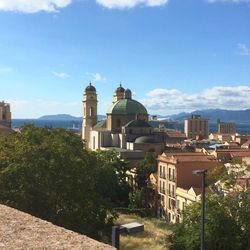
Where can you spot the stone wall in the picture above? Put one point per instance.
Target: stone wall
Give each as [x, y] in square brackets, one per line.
[19, 230]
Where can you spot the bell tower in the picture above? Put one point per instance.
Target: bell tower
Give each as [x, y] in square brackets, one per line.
[89, 112]
[119, 94]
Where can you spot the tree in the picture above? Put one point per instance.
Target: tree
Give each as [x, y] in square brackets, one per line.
[110, 159]
[227, 224]
[215, 174]
[47, 173]
[145, 168]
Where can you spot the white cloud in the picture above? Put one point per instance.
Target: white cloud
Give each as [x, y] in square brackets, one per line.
[122, 4]
[32, 6]
[60, 75]
[169, 101]
[96, 77]
[6, 69]
[228, 1]
[243, 50]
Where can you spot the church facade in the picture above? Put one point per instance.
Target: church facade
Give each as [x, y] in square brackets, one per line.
[125, 129]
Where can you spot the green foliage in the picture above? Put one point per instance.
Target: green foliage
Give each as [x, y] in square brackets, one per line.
[137, 199]
[215, 174]
[48, 174]
[227, 224]
[145, 168]
[119, 192]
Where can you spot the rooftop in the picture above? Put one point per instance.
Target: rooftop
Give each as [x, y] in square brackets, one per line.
[185, 157]
[176, 134]
[138, 123]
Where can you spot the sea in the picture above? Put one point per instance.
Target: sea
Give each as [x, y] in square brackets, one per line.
[243, 129]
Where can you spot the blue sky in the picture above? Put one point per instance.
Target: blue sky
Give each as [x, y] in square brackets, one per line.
[175, 55]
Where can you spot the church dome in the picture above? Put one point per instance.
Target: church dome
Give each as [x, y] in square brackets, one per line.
[120, 89]
[127, 107]
[128, 94]
[145, 139]
[90, 87]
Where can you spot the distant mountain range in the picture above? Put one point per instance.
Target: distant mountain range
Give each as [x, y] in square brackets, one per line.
[237, 116]
[65, 117]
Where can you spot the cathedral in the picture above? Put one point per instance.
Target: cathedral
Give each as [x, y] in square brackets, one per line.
[126, 128]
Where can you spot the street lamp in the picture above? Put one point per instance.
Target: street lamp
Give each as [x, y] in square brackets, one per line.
[202, 172]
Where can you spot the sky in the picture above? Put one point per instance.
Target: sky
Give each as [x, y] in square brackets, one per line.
[175, 55]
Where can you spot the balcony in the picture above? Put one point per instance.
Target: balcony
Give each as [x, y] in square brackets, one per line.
[162, 175]
[162, 190]
[171, 194]
[172, 178]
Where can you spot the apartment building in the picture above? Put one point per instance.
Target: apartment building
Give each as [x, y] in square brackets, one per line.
[196, 126]
[226, 127]
[184, 197]
[175, 170]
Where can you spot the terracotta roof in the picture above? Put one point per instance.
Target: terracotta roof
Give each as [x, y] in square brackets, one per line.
[19, 230]
[187, 157]
[231, 150]
[246, 144]
[176, 134]
[240, 154]
[197, 190]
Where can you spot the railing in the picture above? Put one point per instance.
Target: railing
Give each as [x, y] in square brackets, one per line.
[171, 194]
[162, 190]
[162, 175]
[172, 177]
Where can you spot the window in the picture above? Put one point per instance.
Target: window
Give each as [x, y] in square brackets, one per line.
[91, 111]
[178, 204]
[173, 190]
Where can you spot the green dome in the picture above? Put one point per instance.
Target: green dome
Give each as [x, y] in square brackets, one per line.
[127, 107]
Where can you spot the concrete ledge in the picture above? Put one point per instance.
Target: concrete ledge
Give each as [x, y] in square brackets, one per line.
[20, 230]
[132, 228]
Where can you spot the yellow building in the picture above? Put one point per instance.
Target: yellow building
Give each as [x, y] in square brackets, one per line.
[196, 126]
[175, 170]
[185, 197]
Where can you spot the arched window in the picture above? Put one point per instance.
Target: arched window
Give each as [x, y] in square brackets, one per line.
[91, 111]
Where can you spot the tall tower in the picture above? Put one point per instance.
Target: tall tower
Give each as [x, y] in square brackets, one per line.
[5, 114]
[119, 94]
[89, 112]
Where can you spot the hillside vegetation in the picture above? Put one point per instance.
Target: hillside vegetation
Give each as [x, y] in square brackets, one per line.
[154, 235]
